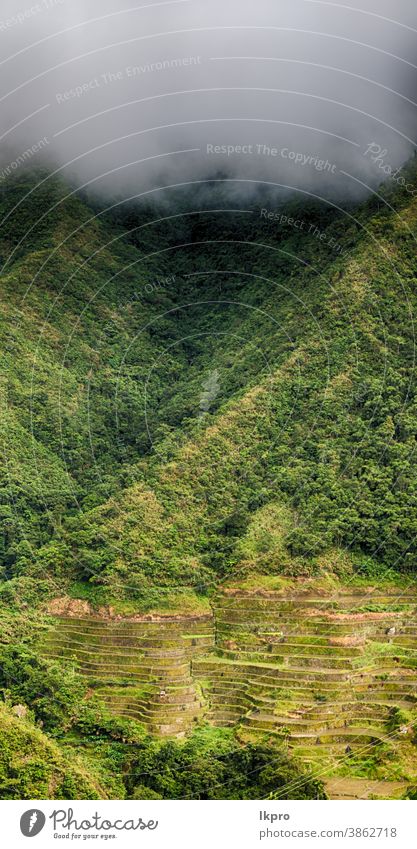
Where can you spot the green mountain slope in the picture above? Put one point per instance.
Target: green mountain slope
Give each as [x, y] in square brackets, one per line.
[197, 396]
[33, 767]
[319, 437]
[188, 398]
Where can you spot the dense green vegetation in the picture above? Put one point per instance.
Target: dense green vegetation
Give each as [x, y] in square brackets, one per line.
[215, 767]
[33, 767]
[188, 402]
[58, 740]
[257, 406]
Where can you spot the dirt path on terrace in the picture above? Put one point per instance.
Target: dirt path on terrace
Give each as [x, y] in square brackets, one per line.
[363, 788]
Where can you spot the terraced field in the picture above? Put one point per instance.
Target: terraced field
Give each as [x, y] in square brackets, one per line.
[315, 671]
[332, 677]
[362, 788]
[141, 669]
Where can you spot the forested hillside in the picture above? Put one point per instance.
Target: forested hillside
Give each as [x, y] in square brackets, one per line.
[189, 398]
[196, 393]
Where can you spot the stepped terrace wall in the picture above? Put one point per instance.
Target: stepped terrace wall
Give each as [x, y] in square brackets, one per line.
[328, 675]
[140, 668]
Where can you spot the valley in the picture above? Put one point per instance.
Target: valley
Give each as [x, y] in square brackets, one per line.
[208, 494]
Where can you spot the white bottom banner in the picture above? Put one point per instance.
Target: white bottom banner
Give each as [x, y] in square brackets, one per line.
[158, 825]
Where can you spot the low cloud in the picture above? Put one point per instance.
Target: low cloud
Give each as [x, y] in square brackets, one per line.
[306, 95]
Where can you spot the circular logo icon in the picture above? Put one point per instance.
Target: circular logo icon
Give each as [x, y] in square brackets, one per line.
[32, 822]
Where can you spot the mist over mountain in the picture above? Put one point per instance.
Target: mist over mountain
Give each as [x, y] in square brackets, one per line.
[208, 436]
[208, 488]
[168, 377]
[314, 96]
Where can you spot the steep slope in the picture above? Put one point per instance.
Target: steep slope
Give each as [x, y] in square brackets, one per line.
[312, 454]
[34, 767]
[205, 401]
